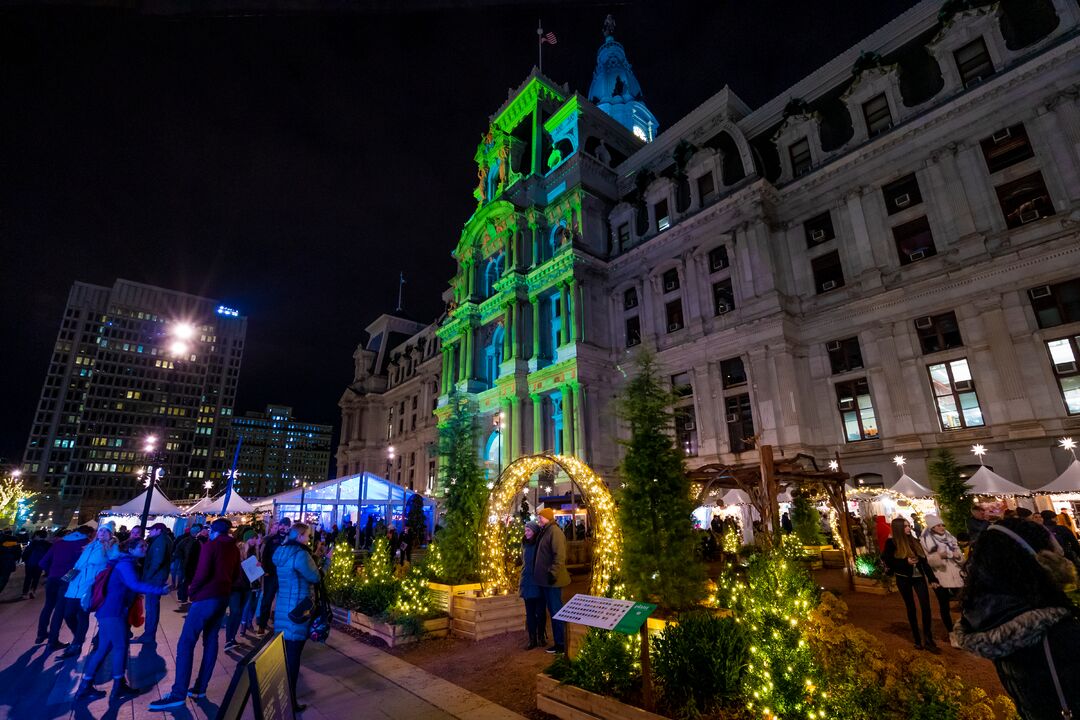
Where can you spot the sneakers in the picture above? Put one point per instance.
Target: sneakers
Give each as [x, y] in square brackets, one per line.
[556, 650]
[53, 647]
[230, 644]
[122, 691]
[196, 694]
[87, 691]
[143, 639]
[169, 701]
[73, 651]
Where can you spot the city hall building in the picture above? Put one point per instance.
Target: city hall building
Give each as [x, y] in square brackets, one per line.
[883, 259]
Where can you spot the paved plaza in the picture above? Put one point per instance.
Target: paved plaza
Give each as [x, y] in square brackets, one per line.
[338, 679]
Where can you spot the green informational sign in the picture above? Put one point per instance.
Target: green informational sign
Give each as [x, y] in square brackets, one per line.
[625, 616]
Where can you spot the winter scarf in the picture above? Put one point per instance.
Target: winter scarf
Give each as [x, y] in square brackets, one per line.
[1024, 630]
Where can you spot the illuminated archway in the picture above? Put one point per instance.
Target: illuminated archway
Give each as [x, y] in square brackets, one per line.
[607, 538]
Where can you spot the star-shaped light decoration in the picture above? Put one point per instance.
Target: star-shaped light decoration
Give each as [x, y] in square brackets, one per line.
[1068, 444]
[978, 451]
[834, 465]
[899, 461]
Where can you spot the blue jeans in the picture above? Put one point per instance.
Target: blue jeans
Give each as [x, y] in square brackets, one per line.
[112, 635]
[553, 600]
[237, 601]
[204, 618]
[152, 603]
[77, 619]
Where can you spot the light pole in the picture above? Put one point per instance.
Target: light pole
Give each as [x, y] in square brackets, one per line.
[389, 461]
[498, 420]
[303, 491]
[149, 446]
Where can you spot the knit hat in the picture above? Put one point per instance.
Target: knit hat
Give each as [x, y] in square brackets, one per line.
[933, 521]
[534, 527]
[547, 513]
[221, 526]
[248, 535]
[110, 526]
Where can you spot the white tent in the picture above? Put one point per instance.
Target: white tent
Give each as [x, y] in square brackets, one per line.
[159, 505]
[198, 507]
[1066, 482]
[906, 485]
[212, 506]
[986, 482]
[736, 497]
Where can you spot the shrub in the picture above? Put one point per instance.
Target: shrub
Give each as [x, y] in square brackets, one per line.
[374, 598]
[700, 663]
[606, 664]
[951, 490]
[805, 520]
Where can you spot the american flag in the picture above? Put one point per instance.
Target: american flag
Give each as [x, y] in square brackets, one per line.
[548, 38]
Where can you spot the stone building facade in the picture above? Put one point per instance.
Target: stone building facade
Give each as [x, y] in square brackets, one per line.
[881, 260]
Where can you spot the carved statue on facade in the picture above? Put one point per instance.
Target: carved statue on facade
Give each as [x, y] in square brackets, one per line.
[609, 26]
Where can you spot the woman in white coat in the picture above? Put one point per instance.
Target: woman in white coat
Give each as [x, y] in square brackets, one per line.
[944, 555]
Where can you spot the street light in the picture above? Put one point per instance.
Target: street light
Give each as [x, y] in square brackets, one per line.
[389, 461]
[303, 490]
[498, 420]
[149, 446]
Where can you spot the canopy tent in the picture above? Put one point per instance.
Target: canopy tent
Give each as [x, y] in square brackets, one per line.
[161, 510]
[213, 506]
[986, 482]
[1066, 482]
[736, 497]
[906, 485]
[360, 498]
[197, 508]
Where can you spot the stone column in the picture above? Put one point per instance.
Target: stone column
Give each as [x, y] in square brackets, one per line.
[470, 279]
[564, 316]
[515, 428]
[572, 310]
[469, 352]
[567, 421]
[693, 298]
[538, 422]
[579, 421]
[508, 345]
[444, 377]
[506, 430]
[536, 326]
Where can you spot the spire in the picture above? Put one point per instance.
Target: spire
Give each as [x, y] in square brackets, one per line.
[615, 88]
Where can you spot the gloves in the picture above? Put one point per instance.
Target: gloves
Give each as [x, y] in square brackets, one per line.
[551, 578]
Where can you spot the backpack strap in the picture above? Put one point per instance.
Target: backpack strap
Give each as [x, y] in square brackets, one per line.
[1066, 713]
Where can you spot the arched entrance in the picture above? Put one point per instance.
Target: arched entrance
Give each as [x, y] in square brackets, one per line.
[498, 579]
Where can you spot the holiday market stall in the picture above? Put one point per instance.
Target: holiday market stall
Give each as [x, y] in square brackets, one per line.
[994, 491]
[161, 510]
[1062, 495]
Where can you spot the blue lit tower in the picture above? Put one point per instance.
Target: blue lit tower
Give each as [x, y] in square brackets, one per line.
[615, 89]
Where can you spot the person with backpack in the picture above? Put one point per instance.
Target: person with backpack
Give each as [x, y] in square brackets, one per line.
[155, 571]
[32, 557]
[296, 574]
[112, 606]
[94, 558]
[57, 563]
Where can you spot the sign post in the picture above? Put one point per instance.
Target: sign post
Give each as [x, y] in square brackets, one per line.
[624, 616]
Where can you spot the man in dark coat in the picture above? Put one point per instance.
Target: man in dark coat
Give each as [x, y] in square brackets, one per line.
[58, 561]
[270, 580]
[187, 552]
[1065, 539]
[550, 572]
[10, 552]
[32, 556]
[155, 571]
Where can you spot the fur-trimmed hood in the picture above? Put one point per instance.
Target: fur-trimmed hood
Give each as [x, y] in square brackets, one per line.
[999, 640]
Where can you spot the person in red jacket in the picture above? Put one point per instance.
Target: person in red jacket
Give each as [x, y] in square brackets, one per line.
[219, 564]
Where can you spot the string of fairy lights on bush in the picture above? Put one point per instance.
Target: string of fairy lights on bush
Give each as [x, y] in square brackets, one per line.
[496, 570]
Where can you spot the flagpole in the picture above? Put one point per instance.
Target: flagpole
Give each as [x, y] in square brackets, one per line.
[540, 45]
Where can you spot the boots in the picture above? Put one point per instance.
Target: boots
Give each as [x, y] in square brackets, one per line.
[532, 641]
[122, 691]
[541, 639]
[87, 691]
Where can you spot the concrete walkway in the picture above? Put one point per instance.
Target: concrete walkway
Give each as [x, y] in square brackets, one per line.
[339, 679]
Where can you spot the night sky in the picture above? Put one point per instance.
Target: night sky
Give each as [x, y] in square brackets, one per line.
[291, 164]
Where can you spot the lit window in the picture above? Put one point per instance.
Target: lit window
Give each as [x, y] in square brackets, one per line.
[1064, 354]
[663, 219]
[954, 393]
[740, 422]
[673, 313]
[1006, 148]
[914, 241]
[856, 410]
[1024, 200]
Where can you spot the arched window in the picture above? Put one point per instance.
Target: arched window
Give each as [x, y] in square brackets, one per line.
[493, 272]
[493, 355]
[492, 180]
[492, 459]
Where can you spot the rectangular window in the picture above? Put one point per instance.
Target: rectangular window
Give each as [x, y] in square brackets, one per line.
[973, 62]
[801, 161]
[681, 386]
[663, 219]
[914, 241]
[1064, 354]
[706, 187]
[828, 274]
[877, 115]
[718, 258]
[938, 332]
[844, 355]
[1024, 200]
[624, 235]
[732, 372]
[723, 297]
[819, 229]
[673, 313]
[633, 331]
[1056, 304]
[686, 430]
[954, 393]
[1006, 147]
[740, 422]
[671, 280]
[856, 410]
[902, 194]
[629, 299]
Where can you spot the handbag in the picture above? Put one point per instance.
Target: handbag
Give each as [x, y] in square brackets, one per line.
[322, 616]
[136, 614]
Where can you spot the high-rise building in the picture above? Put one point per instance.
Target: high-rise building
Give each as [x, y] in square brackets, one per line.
[277, 451]
[133, 361]
[880, 260]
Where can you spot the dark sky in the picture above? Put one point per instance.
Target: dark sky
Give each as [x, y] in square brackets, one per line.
[290, 164]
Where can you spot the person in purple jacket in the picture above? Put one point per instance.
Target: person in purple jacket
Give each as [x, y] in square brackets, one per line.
[112, 619]
[58, 560]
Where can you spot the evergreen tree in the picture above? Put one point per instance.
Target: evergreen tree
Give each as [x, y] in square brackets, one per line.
[655, 508]
[340, 577]
[416, 520]
[952, 491]
[466, 494]
[805, 520]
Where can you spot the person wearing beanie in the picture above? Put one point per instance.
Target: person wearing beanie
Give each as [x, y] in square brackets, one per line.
[219, 564]
[535, 609]
[944, 556]
[95, 556]
[155, 571]
[550, 573]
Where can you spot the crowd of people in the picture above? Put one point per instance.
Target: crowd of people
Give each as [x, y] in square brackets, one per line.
[119, 576]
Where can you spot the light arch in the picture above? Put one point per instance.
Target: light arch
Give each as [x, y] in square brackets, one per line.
[607, 537]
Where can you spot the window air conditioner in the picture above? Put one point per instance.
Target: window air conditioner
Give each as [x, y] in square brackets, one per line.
[670, 285]
[961, 385]
[832, 346]
[973, 81]
[1039, 292]
[689, 425]
[902, 200]
[1028, 216]
[1065, 368]
[924, 323]
[720, 264]
[672, 327]
[733, 417]
[917, 255]
[828, 285]
[1001, 136]
[722, 308]
[817, 235]
[846, 404]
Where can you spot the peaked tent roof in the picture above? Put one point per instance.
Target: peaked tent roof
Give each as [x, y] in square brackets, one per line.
[159, 505]
[736, 497]
[906, 485]
[1066, 482]
[986, 482]
[237, 504]
[197, 507]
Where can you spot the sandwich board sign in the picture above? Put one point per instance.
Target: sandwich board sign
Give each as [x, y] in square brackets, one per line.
[624, 616]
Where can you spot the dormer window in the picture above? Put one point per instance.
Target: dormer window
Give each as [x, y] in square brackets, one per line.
[901, 194]
[801, 161]
[671, 280]
[877, 115]
[973, 62]
[630, 299]
[706, 187]
[663, 217]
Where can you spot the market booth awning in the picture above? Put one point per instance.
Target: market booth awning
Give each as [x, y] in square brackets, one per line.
[986, 482]
[159, 505]
[1066, 482]
[213, 506]
[907, 485]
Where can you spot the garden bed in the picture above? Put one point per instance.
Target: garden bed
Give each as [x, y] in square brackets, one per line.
[873, 586]
[393, 634]
[573, 703]
[475, 617]
[442, 596]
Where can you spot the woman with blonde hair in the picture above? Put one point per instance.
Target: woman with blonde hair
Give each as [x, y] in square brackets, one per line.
[905, 560]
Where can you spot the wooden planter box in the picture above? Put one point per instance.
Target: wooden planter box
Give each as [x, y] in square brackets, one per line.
[442, 596]
[872, 586]
[474, 617]
[832, 558]
[573, 703]
[390, 633]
